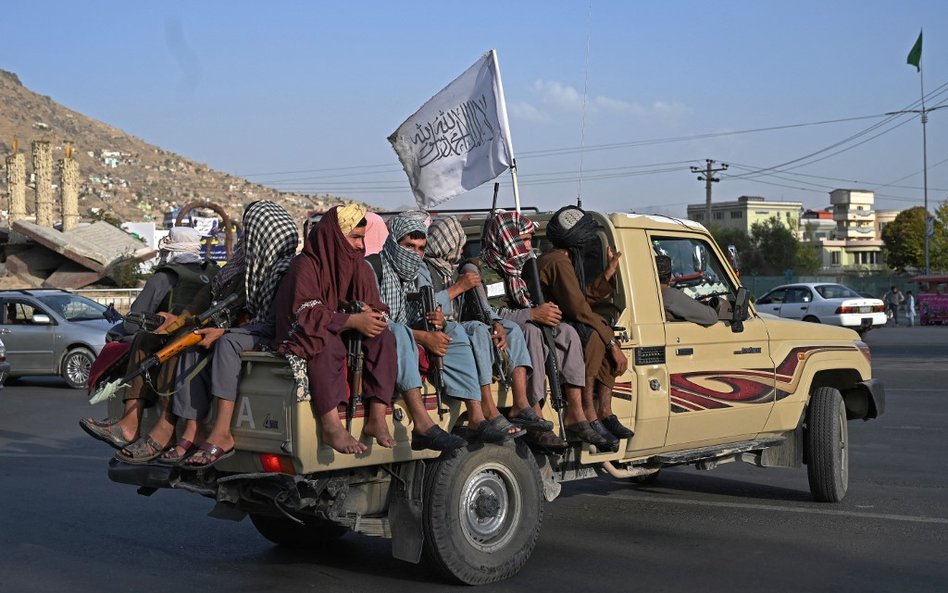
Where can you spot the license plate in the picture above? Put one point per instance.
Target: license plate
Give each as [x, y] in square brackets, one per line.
[866, 309]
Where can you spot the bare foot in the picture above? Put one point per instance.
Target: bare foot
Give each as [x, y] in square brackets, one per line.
[376, 426]
[379, 431]
[339, 439]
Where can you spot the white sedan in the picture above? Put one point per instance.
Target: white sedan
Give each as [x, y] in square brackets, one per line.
[834, 304]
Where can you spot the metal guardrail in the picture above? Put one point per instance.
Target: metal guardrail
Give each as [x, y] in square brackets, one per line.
[122, 298]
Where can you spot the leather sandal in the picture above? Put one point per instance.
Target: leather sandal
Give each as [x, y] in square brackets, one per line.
[604, 433]
[529, 420]
[144, 450]
[206, 455]
[436, 439]
[613, 425]
[546, 439]
[586, 433]
[106, 432]
[170, 457]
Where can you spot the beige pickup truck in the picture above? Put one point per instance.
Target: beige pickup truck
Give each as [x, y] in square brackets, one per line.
[762, 390]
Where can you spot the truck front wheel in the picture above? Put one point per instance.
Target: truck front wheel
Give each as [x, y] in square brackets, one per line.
[282, 531]
[827, 442]
[482, 514]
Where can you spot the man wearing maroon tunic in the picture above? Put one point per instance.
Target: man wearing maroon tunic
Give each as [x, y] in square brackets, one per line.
[330, 273]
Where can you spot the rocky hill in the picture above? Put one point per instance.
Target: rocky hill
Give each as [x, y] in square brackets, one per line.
[122, 174]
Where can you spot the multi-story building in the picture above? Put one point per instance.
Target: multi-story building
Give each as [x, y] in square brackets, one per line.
[856, 240]
[743, 213]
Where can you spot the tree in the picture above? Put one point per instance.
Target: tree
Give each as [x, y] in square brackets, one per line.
[904, 240]
[774, 247]
[808, 260]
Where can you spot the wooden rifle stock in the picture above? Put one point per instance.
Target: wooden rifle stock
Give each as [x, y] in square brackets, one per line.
[185, 339]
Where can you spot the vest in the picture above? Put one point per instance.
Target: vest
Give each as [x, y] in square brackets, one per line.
[191, 279]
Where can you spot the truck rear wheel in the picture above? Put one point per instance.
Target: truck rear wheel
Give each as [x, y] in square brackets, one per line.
[313, 533]
[482, 514]
[827, 441]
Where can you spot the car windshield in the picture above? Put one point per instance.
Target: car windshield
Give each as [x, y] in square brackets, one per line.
[73, 307]
[837, 291]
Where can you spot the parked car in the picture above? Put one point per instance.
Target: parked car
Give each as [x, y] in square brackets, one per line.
[4, 365]
[53, 332]
[833, 304]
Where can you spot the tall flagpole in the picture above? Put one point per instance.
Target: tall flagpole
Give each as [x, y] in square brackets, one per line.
[921, 78]
[502, 105]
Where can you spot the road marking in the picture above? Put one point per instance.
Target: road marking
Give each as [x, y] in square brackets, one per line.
[801, 510]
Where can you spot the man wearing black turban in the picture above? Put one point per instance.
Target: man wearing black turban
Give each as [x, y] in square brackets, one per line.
[563, 279]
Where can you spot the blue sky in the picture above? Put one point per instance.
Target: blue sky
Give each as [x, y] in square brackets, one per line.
[302, 95]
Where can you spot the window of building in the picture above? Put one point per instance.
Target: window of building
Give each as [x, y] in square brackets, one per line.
[737, 214]
[834, 258]
[718, 215]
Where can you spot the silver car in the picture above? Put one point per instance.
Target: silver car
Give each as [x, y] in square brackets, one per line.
[4, 365]
[53, 332]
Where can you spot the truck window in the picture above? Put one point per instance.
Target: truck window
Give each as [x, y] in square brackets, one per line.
[696, 269]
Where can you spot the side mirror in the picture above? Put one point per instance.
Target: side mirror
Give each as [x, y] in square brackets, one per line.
[699, 259]
[739, 310]
[41, 319]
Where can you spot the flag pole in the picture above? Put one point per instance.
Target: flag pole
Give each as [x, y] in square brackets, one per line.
[921, 78]
[502, 107]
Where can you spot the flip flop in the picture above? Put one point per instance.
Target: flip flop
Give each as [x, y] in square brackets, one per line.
[210, 452]
[102, 431]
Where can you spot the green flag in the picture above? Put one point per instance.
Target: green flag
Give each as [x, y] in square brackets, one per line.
[915, 56]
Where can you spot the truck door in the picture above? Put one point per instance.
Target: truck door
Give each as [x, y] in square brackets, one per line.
[721, 382]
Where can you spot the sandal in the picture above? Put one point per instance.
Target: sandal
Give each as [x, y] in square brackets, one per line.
[170, 456]
[529, 420]
[209, 453]
[103, 431]
[497, 430]
[612, 439]
[436, 439]
[546, 439]
[143, 450]
[613, 425]
[586, 433]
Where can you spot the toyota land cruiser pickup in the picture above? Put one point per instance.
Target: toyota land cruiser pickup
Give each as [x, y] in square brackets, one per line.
[767, 391]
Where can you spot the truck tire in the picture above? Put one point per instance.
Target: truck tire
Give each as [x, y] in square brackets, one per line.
[482, 513]
[827, 442]
[76, 366]
[314, 533]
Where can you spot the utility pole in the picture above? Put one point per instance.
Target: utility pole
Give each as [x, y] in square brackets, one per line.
[707, 175]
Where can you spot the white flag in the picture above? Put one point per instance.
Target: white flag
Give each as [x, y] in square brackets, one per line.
[459, 139]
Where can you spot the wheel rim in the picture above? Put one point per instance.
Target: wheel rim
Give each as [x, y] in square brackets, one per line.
[490, 507]
[78, 368]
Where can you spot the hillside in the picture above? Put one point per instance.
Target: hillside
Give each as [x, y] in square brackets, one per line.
[121, 173]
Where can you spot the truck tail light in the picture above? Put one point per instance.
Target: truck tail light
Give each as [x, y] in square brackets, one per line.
[277, 464]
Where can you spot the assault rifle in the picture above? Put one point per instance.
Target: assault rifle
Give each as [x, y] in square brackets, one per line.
[425, 297]
[481, 307]
[185, 337]
[532, 275]
[355, 359]
[148, 322]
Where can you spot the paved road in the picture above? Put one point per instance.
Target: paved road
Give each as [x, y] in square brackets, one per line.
[65, 527]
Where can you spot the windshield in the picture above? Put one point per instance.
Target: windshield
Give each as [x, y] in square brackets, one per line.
[837, 291]
[72, 307]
